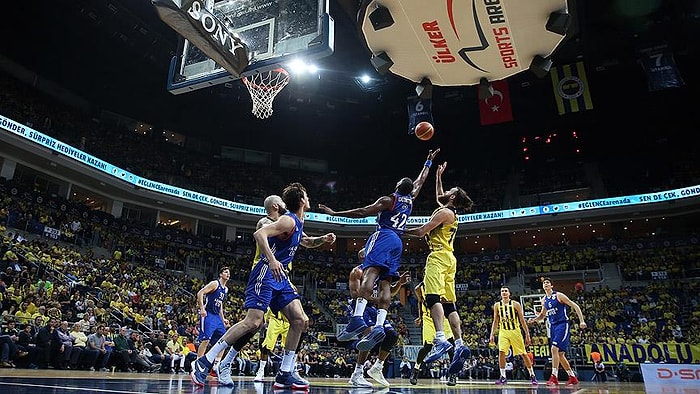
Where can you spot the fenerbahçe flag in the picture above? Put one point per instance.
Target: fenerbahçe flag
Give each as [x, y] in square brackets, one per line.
[571, 88]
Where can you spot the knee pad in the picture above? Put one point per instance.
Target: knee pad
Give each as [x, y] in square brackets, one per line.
[432, 299]
[389, 340]
[449, 308]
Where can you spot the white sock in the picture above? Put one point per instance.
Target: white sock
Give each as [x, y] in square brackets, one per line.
[359, 369]
[261, 368]
[228, 359]
[360, 305]
[217, 348]
[503, 372]
[555, 372]
[440, 335]
[458, 343]
[381, 316]
[570, 372]
[294, 363]
[379, 363]
[288, 361]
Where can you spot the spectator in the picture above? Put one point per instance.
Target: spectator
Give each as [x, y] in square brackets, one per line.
[143, 354]
[44, 340]
[97, 341]
[81, 357]
[405, 367]
[62, 344]
[176, 351]
[8, 346]
[125, 350]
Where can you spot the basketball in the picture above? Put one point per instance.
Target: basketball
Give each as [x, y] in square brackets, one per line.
[424, 131]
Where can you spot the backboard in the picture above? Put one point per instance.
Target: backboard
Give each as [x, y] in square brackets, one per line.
[274, 32]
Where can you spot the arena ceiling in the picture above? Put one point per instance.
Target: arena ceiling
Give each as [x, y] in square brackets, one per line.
[115, 54]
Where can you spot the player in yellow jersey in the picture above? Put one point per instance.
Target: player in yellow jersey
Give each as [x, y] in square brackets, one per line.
[277, 326]
[509, 318]
[425, 320]
[440, 270]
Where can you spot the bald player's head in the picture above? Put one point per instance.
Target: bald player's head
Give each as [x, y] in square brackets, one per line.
[274, 203]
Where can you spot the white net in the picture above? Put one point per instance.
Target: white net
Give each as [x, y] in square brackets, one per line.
[263, 88]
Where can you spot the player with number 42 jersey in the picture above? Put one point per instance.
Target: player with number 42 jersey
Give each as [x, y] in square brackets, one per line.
[383, 253]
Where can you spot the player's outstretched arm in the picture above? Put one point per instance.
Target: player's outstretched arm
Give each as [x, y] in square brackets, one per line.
[423, 174]
[440, 217]
[382, 204]
[315, 242]
[439, 192]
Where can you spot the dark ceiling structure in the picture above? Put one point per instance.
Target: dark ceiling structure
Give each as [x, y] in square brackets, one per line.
[115, 54]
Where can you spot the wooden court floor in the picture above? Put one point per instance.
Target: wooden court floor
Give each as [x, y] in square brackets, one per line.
[56, 381]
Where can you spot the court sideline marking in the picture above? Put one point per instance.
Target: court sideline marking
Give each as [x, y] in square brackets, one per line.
[74, 388]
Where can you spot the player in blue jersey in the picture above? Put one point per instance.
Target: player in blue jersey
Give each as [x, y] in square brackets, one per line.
[269, 286]
[210, 299]
[554, 308]
[376, 371]
[383, 252]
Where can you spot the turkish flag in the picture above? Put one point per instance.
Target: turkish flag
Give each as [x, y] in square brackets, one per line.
[496, 109]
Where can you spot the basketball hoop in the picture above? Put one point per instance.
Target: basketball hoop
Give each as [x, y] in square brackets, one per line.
[263, 88]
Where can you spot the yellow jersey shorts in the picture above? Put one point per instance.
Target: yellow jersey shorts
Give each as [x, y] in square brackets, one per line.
[275, 328]
[511, 338]
[439, 278]
[428, 329]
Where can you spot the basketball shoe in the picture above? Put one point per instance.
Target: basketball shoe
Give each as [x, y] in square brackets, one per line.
[357, 379]
[298, 377]
[501, 381]
[375, 372]
[461, 355]
[452, 380]
[355, 327]
[214, 369]
[439, 348]
[553, 381]
[372, 339]
[200, 370]
[286, 380]
[573, 381]
[260, 375]
[224, 375]
[414, 377]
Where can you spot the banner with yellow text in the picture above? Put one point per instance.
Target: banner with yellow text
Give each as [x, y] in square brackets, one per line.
[673, 353]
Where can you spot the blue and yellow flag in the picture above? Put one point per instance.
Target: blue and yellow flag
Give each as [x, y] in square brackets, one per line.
[571, 88]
